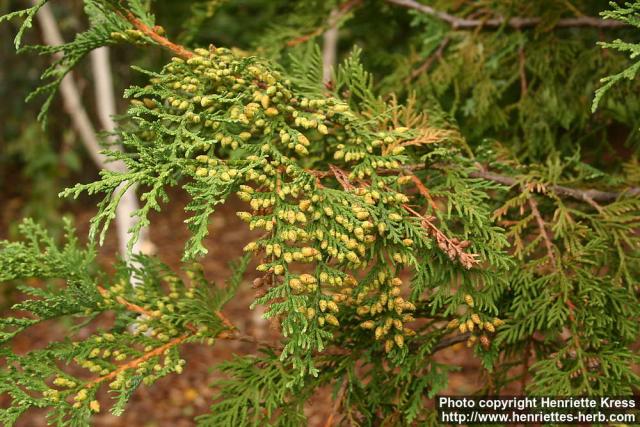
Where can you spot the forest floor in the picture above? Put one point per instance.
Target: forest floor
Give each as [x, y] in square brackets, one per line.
[176, 399]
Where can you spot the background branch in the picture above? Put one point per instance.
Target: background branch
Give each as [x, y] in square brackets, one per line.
[430, 60]
[333, 21]
[337, 403]
[448, 342]
[543, 228]
[515, 22]
[586, 195]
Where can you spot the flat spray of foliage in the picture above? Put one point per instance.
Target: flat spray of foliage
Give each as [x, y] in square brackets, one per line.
[385, 233]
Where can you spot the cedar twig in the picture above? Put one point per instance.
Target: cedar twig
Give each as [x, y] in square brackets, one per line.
[341, 177]
[227, 334]
[441, 345]
[589, 195]
[136, 362]
[452, 247]
[179, 50]
[128, 305]
[231, 333]
[515, 22]
[225, 320]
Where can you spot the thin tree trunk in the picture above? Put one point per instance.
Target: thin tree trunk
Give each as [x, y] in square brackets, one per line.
[106, 109]
[330, 47]
[82, 124]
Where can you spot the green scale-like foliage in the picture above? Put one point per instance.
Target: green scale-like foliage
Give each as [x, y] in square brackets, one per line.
[630, 14]
[217, 124]
[322, 179]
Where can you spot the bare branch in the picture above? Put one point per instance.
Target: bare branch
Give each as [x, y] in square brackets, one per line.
[542, 227]
[586, 195]
[515, 22]
[430, 60]
[337, 403]
[448, 342]
[522, 60]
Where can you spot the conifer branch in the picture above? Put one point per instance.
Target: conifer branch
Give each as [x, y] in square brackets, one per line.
[136, 362]
[515, 22]
[330, 174]
[225, 320]
[128, 305]
[454, 248]
[152, 33]
[588, 195]
[231, 333]
[341, 177]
